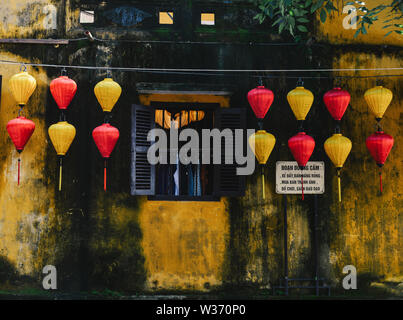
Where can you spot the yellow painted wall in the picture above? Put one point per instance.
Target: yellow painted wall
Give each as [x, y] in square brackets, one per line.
[184, 243]
[27, 211]
[333, 31]
[21, 18]
[370, 225]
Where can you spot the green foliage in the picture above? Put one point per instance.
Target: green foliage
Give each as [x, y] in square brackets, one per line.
[366, 17]
[293, 16]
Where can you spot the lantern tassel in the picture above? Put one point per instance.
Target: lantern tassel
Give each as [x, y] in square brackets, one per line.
[263, 193]
[105, 175]
[339, 183]
[380, 179]
[19, 170]
[302, 183]
[60, 173]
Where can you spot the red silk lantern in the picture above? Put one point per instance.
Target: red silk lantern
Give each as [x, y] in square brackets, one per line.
[379, 145]
[260, 99]
[20, 130]
[301, 146]
[336, 101]
[63, 90]
[105, 137]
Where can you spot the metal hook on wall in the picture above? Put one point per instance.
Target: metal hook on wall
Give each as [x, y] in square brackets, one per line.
[300, 82]
[23, 67]
[21, 111]
[337, 81]
[62, 116]
[260, 81]
[378, 126]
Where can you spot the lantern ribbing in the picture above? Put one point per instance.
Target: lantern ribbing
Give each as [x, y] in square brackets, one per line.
[22, 85]
[301, 146]
[63, 90]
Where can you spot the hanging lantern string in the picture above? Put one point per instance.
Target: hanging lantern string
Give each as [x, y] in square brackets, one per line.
[19, 170]
[23, 67]
[300, 125]
[105, 174]
[60, 173]
[380, 179]
[62, 116]
[260, 80]
[263, 193]
[107, 117]
[300, 82]
[337, 126]
[21, 111]
[337, 81]
[63, 72]
[378, 125]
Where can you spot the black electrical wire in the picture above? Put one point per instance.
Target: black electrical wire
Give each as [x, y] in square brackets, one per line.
[225, 72]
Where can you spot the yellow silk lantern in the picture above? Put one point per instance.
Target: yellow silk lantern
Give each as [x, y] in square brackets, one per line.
[62, 135]
[22, 85]
[107, 92]
[337, 148]
[378, 99]
[262, 144]
[300, 100]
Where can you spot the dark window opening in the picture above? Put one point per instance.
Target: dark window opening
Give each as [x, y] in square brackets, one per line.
[184, 181]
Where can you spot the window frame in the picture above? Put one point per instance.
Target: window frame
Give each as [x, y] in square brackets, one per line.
[166, 25]
[208, 12]
[211, 106]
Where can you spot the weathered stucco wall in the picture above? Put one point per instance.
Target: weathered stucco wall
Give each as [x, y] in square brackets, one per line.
[369, 225]
[184, 244]
[26, 211]
[333, 31]
[114, 240]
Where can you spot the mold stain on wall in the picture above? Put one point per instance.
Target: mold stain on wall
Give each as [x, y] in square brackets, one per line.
[27, 210]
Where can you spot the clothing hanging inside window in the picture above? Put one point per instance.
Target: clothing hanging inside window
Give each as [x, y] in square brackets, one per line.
[197, 187]
[176, 175]
[189, 173]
